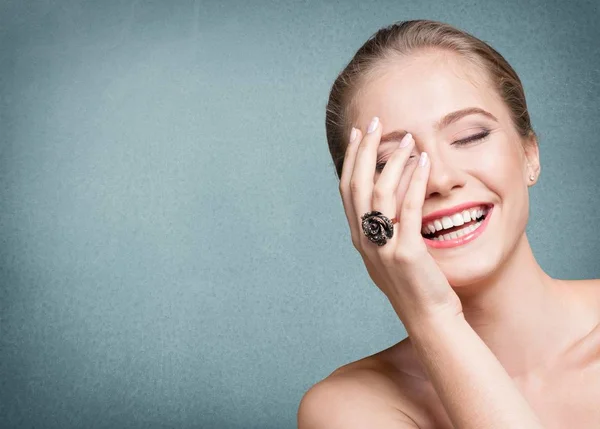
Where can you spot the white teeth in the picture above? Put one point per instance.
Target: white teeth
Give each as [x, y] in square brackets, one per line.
[457, 219]
[447, 222]
[458, 233]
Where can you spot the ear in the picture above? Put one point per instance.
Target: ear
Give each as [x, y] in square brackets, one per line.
[532, 153]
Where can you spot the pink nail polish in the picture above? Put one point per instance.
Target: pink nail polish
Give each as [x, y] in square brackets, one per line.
[373, 125]
[406, 140]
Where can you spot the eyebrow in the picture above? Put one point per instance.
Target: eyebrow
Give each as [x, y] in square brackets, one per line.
[450, 118]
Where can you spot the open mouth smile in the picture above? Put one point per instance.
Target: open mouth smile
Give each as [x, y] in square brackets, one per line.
[458, 228]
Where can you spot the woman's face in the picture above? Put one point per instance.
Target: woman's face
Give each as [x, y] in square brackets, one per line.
[413, 95]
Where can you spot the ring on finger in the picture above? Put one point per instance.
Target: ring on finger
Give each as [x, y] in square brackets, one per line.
[377, 227]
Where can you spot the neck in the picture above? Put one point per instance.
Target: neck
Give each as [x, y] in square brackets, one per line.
[525, 317]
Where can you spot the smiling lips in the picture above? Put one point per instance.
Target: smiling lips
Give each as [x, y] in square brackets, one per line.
[455, 226]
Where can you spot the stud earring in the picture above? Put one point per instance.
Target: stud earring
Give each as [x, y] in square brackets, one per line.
[532, 177]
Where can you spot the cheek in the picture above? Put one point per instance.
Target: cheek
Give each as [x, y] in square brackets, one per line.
[500, 170]
[499, 166]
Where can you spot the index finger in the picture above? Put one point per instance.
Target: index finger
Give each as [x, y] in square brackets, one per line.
[362, 180]
[344, 187]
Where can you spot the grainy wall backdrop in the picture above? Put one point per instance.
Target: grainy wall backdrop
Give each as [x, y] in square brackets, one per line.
[173, 248]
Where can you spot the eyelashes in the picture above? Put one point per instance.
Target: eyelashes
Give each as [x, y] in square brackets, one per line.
[463, 142]
[473, 138]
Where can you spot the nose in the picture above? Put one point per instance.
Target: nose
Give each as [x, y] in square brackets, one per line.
[444, 177]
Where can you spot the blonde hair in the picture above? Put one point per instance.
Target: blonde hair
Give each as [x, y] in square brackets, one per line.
[404, 38]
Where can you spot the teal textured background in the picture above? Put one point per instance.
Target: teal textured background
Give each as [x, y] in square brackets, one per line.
[174, 251]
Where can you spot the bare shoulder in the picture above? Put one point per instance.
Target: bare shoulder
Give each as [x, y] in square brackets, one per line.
[593, 285]
[383, 390]
[587, 349]
[588, 287]
[588, 290]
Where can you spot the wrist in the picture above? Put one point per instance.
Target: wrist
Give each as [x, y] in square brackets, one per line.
[428, 321]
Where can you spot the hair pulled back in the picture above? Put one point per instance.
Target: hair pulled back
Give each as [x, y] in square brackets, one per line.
[401, 39]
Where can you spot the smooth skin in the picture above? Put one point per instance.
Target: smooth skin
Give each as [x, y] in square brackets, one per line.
[494, 342]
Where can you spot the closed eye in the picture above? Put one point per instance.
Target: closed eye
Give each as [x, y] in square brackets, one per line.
[477, 137]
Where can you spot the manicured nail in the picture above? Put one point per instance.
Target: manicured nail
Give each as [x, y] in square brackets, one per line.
[406, 140]
[352, 134]
[423, 159]
[373, 125]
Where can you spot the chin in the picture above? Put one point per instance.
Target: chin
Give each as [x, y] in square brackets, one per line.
[475, 270]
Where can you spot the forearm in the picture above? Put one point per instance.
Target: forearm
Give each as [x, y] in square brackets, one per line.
[473, 386]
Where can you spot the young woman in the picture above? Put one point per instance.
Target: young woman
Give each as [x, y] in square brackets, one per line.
[429, 125]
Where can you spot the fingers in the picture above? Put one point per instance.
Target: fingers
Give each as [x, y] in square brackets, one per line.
[360, 195]
[356, 182]
[361, 182]
[385, 190]
[348, 167]
[411, 212]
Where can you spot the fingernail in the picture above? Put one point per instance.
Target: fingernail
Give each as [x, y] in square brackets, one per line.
[406, 140]
[423, 159]
[373, 125]
[352, 134]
